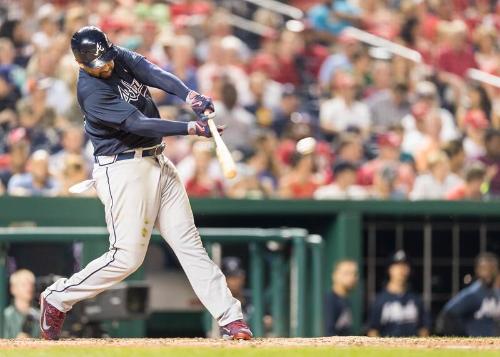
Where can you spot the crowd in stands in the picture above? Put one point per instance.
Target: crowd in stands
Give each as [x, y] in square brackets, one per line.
[310, 111]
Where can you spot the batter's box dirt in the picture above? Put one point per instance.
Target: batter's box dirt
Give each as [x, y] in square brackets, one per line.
[354, 341]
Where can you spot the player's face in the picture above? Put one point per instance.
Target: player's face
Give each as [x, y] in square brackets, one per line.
[104, 71]
[487, 271]
[399, 272]
[346, 274]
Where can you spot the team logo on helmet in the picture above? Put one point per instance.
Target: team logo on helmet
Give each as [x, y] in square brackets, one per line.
[98, 49]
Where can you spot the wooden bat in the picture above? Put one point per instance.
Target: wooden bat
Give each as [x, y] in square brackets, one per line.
[225, 158]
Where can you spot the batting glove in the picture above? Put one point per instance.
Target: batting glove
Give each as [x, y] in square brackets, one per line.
[201, 128]
[201, 105]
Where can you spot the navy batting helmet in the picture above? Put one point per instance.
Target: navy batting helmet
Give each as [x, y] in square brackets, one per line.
[91, 47]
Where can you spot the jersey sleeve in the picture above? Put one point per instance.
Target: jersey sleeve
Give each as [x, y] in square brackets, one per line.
[107, 107]
[152, 75]
[331, 315]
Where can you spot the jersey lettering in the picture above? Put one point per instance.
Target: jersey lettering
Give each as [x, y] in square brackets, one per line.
[130, 92]
[396, 312]
[490, 307]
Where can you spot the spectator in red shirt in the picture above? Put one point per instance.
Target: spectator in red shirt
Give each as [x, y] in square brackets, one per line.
[471, 188]
[203, 183]
[457, 56]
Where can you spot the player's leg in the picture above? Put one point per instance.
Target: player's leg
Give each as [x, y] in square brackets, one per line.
[128, 190]
[176, 224]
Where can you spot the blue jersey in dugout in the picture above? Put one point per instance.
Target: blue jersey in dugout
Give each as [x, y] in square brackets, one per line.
[107, 102]
[398, 315]
[478, 309]
[338, 315]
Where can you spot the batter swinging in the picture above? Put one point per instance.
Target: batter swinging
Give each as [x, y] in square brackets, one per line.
[139, 187]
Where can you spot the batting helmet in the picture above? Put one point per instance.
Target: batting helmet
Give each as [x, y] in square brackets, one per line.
[91, 47]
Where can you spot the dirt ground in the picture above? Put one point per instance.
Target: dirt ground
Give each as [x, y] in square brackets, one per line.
[355, 341]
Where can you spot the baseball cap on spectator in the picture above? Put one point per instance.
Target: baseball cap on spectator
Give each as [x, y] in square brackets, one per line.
[231, 266]
[476, 119]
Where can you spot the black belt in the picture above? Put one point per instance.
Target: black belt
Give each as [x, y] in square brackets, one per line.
[157, 150]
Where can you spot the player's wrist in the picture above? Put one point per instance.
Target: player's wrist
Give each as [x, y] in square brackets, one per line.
[191, 128]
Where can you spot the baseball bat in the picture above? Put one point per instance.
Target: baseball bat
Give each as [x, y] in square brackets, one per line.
[223, 155]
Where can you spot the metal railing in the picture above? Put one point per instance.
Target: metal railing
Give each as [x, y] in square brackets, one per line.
[258, 240]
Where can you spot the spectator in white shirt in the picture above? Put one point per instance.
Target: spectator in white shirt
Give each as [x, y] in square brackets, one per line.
[427, 104]
[344, 187]
[438, 182]
[343, 110]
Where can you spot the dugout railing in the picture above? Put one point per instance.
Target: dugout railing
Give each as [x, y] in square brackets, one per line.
[284, 268]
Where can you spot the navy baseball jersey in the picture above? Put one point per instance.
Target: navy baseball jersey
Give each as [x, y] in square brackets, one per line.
[107, 102]
[338, 315]
[398, 315]
[477, 307]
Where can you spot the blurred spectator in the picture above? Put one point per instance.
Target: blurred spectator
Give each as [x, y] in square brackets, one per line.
[384, 184]
[37, 181]
[396, 311]
[350, 148]
[338, 314]
[20, 318]
[475, 124]
[475, 311]
[454, 150]
[343, 110]
[492, 160]
[72, 144]
[456, 56]
[438, 182]
[301, 180]
[344, 186]
[424, 113]
[202, 183]
[471, 188]
[283, 115]
[388, 107]
[8, 92]
[240, 124]
[18, 157]
[333, 16]
[74, 170]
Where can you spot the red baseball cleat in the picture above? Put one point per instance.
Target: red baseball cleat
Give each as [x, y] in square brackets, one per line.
[236, 330]
[51, 320]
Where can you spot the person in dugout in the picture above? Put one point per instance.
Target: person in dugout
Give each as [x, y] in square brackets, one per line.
[20, 318]
[397, 311]
[475, 311]
[338, 314]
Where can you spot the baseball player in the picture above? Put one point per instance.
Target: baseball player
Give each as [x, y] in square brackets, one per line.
[139, 187]
[398, 312]
[475, 311]
[338, 313]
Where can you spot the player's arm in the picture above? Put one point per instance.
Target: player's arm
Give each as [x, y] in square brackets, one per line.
[107, 108]
[153, 76]
[137, 123]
